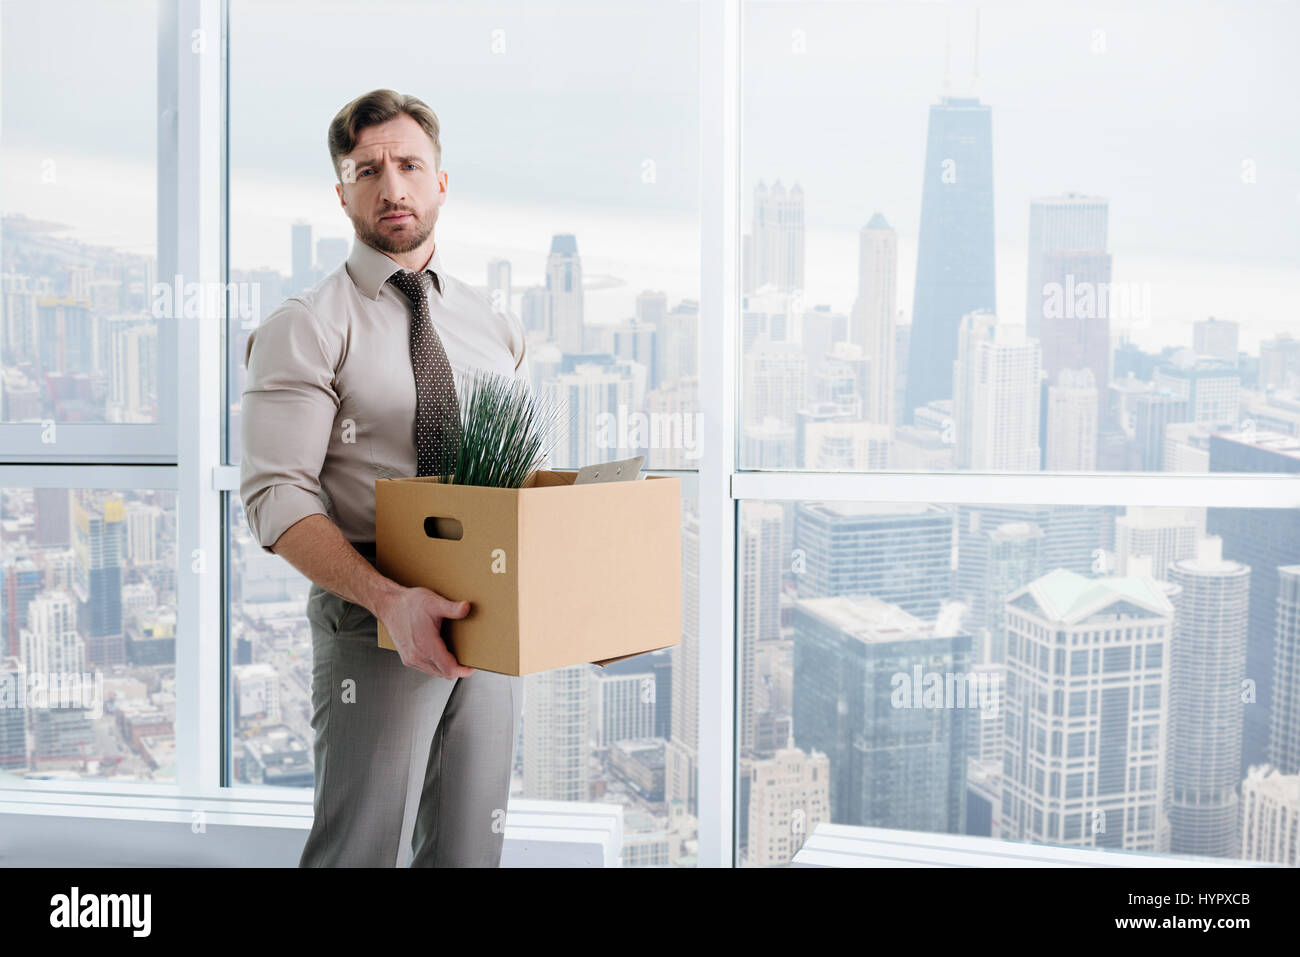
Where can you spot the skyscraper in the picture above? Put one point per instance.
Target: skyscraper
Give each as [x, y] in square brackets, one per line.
[1074, 327]
[1071, 223]
[99, 542]
[840, 445]
[761, 562]
[1012, 556]
[822, 330]
[1284, 723]
[51, 644]
[1208, 663]
[775, 383]
[66, 342]
[676, 341]
[1264, 539]
[873, 321]
[777, 238]
[1163, 534]
[1215, 338]
[954, 262]
[1152, 412]
[1087, 712]
[995, 396]
[13, 720]
[899, 553]
[622, 707]
[1279, 362]
[681, 756]
[564, 286]
[1211, 388]
[1270, 817]
[557, 725]
[895, 761]
[789, 795]
[589, 398]
[21, 580]
[1072, 422]
[1073, 537]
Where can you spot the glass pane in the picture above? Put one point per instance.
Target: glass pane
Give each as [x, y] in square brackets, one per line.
[586, 232]
[1099, 676]
[627, 733]
[970, 244]
[78, 195]
[88, 619]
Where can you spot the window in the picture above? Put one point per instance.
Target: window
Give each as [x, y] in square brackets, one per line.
[587, 233]
[968, 246]
[87, 634]
[844, 656]
[87, 337]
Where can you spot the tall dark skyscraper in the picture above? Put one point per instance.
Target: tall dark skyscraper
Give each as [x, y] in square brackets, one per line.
[901, 554]
[954, 261]
[99, 541]
[893, 762]
[1264, 539]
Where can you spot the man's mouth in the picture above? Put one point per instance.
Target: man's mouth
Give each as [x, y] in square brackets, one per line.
[395, 218]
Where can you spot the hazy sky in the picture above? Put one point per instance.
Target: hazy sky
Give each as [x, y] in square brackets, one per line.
[1159, 122]
[552, 113]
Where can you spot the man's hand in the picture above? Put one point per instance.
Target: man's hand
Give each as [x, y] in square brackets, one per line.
[413, 617]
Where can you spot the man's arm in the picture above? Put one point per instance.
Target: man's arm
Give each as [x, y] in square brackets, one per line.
[413, 616]
[288, 410]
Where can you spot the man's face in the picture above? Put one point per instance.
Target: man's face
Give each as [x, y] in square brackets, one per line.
[391, 189]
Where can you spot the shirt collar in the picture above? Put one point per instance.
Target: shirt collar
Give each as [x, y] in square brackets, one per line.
[370, 269]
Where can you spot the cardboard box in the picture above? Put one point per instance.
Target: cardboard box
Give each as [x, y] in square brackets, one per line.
[555, 573]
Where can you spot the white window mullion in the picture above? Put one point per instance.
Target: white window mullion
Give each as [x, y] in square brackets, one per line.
[718, 342]
[1177, 490]
[189, 246]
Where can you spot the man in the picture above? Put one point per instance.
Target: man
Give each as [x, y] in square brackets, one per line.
[350, 381]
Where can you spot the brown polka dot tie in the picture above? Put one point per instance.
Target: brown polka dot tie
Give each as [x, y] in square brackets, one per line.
[437, 411]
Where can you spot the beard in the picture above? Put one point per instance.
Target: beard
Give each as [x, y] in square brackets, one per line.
[395, 243]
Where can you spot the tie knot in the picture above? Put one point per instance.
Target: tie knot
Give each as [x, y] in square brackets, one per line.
[409, 283]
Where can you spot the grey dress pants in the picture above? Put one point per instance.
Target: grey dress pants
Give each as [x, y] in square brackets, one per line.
[403, 759]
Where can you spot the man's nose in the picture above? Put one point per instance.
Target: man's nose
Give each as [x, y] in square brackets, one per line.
[391, 187]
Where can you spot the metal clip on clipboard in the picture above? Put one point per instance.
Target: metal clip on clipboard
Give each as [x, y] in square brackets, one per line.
[627, 470]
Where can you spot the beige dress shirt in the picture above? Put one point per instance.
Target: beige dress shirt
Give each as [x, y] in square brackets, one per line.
[328, 404]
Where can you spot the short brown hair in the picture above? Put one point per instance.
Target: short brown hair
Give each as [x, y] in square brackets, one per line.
[371, 109]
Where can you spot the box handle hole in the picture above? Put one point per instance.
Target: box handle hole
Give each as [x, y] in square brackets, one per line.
[435, 526]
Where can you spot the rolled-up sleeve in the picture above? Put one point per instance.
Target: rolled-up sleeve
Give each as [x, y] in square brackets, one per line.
[286, 417]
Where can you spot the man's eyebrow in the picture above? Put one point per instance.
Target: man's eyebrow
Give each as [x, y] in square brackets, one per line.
[371, 160]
